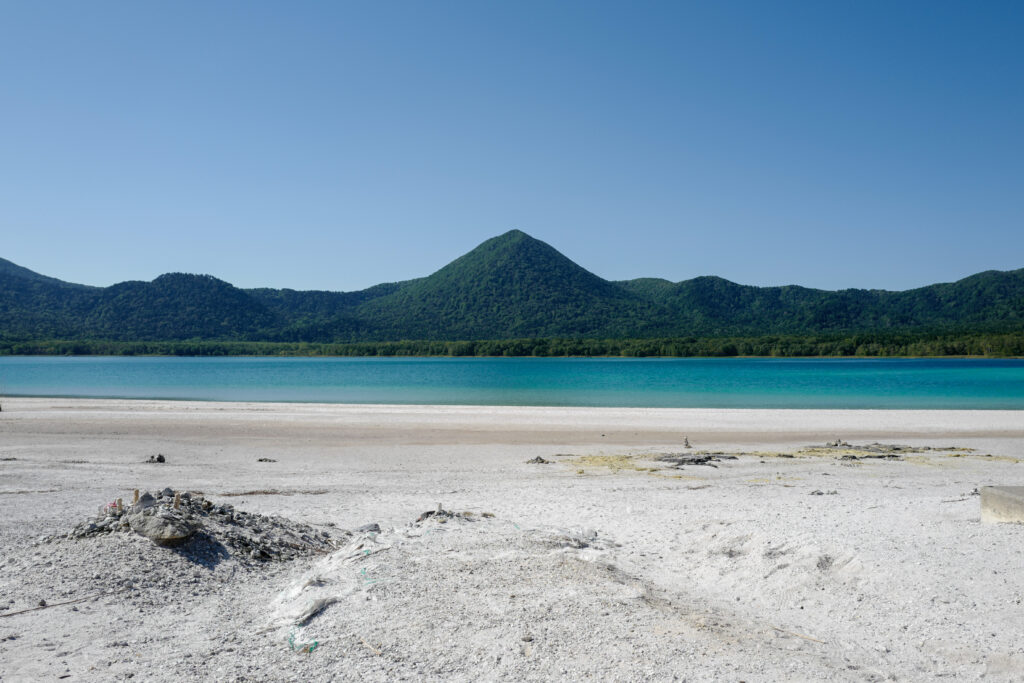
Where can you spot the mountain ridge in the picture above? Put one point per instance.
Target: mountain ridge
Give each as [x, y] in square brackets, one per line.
[509, 286]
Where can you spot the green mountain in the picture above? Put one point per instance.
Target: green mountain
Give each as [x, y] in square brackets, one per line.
[177, 306]
[33, 306]
[19, 274]
[511, 286]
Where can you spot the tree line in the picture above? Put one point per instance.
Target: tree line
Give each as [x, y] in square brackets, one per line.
[866, 345]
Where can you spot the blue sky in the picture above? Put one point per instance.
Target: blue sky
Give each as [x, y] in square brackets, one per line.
[336, 145]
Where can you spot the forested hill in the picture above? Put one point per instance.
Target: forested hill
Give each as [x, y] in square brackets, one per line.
[511, 286]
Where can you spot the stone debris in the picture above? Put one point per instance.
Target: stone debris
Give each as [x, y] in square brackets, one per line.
[680, 460]
[819, 492]
[872, 456]
[875, 451]
[538, 461]
[156, 458]
[265, 460]
[174, 518]
[441, 515]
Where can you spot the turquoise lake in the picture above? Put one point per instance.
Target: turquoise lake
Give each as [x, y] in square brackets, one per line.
[614, 382]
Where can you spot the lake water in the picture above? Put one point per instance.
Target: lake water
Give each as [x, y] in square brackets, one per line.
[662, 383]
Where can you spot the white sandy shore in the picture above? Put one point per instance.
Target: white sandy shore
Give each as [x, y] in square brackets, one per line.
[590, 567]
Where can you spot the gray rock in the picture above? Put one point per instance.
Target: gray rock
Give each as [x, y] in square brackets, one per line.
[166, 529]
[167, 492]
[146, 500]
[373, 528]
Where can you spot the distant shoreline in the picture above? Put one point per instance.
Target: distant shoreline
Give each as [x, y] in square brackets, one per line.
[864, 345]
[424, 423]
[493, 358]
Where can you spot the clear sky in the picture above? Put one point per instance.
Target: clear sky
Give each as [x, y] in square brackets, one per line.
[336, 145]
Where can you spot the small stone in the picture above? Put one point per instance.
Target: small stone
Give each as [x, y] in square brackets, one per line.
[373, 528]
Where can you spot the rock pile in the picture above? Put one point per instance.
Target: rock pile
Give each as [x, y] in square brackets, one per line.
[176, 518]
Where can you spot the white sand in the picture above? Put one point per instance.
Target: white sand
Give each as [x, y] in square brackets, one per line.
[727, 573]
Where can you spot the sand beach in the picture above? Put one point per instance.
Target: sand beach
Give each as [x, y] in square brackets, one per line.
[759, 553]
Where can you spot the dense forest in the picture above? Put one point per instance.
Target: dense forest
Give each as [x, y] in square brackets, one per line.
[512, 295]
[861, 345]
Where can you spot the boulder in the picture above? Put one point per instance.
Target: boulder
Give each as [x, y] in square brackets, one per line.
[166, 529]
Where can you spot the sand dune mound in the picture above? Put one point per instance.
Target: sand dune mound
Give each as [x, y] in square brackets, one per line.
[451, 596]
[445, 596]
[460, 598]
